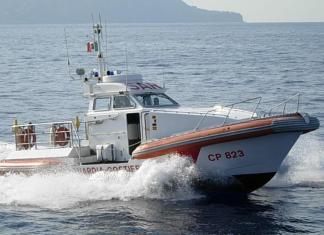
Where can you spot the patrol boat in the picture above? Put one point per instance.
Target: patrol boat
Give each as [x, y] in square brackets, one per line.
[130, 121]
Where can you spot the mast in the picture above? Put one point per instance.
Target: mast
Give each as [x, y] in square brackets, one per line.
[97, 30]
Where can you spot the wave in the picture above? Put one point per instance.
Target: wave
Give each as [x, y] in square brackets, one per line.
[167, 180]
[304, 164]
[6, 149]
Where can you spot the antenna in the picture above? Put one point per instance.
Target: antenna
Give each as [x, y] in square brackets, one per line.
[106, 35]
[101, 54]
[126, 65]
[100, 24]
[163, 68]
[163, 77]
[93, 31]
[96, 47]
[93, 24]
[97, 30]
[67, 55]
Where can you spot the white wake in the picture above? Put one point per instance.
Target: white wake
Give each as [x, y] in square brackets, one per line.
[166, 180]
[304, 164]
[5, 149]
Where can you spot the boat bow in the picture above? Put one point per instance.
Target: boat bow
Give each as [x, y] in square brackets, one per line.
[193, 141]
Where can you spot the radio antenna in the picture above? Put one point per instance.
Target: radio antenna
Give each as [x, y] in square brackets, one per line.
[100, 24]
[93, 25]
[106, 35]
[102, 39]
[163, 77]
[67, 55]
[126, 65]
[163, 66]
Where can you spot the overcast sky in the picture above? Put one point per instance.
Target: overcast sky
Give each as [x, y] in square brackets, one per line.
[268, 10]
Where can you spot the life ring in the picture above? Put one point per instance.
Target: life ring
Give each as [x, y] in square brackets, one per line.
[62, 136]
[27, 138]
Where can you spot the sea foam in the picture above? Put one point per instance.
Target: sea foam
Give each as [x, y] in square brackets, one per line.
[166, 180]
[304, 164]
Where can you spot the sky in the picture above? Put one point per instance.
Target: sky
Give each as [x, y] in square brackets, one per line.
[268, 10]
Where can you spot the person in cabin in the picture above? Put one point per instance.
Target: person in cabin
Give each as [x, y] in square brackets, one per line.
[156, 101]
[147, 100]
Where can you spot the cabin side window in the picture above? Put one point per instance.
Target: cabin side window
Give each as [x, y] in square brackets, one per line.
[102, 104]
[122, 102]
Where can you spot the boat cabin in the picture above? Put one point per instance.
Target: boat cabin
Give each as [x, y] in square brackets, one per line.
[117, 117]
[125, 111]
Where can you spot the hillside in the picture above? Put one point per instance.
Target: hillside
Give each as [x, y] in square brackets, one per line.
[117, 11]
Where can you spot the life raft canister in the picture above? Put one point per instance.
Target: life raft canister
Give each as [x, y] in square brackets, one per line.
[62, 136]
[27, 138]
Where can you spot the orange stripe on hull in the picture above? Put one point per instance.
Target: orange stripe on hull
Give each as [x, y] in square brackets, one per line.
[192, 149]
[204, 133]
[187, 149]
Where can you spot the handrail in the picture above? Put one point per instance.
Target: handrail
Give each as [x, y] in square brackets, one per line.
[43, 124]
[110, 134]
[285, 104]
[203, 118]
[46, 136]
[259, 98]
[231, 106]
[177, 111]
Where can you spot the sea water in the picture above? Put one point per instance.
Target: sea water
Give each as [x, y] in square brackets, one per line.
[201, 65]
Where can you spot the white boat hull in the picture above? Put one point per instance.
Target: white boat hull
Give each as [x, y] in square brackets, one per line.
[240, 157]
[256, 155]
[252, 162]
[242, 165]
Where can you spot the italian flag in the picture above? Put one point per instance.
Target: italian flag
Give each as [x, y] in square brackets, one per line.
[92, 46]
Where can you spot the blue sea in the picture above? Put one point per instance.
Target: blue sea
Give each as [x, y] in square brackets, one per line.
[201, 65]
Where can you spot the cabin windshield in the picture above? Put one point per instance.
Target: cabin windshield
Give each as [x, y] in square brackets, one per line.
[155, 100]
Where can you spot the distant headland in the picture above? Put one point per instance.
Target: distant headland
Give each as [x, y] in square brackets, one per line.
[115, 11]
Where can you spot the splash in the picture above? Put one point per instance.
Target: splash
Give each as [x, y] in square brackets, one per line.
[304, 164]
[5, 149]
[167, 180]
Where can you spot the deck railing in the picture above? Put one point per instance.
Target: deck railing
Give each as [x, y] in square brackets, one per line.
[230, 108]
[254, 114]
[48, 135]
[284, 106]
